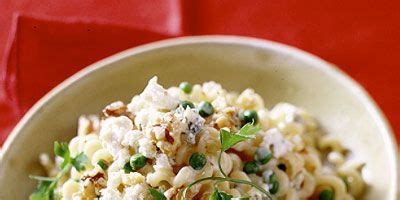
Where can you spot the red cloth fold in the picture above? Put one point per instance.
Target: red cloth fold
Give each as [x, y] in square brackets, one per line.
[45, 51]
[46, 42]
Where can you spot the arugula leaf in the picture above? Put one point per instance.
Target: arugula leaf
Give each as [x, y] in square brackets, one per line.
[225, 196]
[157, 195]
[218, 195]
[39, 196]
[214, 195]
[42, 191]
[46, 186]
[228, 139]
[65, 162]
[61, 149]
[79, 162]
[41, 178]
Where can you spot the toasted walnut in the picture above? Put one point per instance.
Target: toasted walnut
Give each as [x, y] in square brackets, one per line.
[115, 109]
[93, 185]
[168, 136]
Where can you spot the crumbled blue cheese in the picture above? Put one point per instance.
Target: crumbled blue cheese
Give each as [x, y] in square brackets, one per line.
[147, 147]
[131, 138]
[279, 145]
[248, 99]
[212, 90]
[284, 112]
[219, 103]
[139, 192]
[193, 121]
[155, 96]
[147, 118]
[113, 131]
[110, 194]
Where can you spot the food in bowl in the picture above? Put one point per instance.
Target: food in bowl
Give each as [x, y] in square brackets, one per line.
[199, 142]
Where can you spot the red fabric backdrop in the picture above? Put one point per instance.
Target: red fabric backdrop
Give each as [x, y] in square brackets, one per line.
[44, 42]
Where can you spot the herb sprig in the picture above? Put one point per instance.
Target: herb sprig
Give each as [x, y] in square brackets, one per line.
[228, 140]
[46, 185]
[157, 195]
[218, 195]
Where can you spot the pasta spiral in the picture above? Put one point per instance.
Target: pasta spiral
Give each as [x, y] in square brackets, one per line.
[164, 140]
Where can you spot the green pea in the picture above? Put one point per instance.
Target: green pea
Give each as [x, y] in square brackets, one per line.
[205, 109]
[251, 167]
[271, 179]
[137, 161]
[128, 168]
[103, 164]
[250, 116]
[326, 194]
[273, 184]
[262, 155]
[186, 87]
[186, 104]
[197, 161]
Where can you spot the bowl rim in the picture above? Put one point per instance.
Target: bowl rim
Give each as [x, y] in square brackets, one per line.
[319, 63]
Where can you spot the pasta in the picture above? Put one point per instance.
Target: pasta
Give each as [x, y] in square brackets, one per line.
[166, 139]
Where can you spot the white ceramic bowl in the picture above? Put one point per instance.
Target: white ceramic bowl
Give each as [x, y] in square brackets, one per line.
[277, 72]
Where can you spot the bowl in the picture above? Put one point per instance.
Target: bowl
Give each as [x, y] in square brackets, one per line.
[276, 71]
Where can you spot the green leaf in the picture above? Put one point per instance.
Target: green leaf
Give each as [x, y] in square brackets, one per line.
[214, 195]
[225, 196]
[223, 179]
[46, 186]
[218, 195]
[39, 196]
[43, 186]
[249, 130]
[65, 162]
[157, 195]
[41, 178]
[61, 149]
[42, 192]
[228, 139]
[79, 161]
